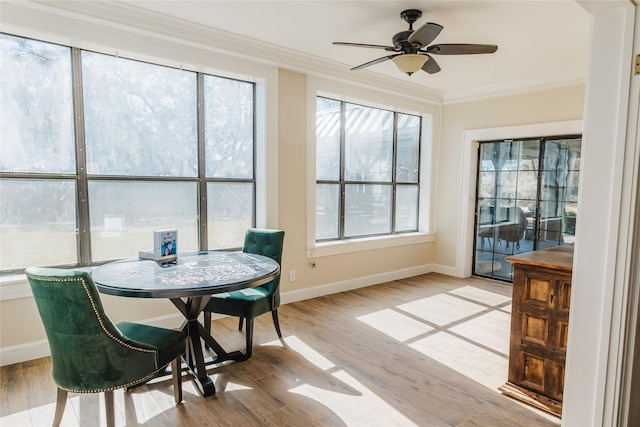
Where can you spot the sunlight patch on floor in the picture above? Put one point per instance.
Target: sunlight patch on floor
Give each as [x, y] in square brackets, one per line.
[441, 309]
[480, 295]
[300, 347]
[235, 387]
[395, 325]
[363, 409]
[477, 364]
[356, 405]
[473, 339]
[490, 330]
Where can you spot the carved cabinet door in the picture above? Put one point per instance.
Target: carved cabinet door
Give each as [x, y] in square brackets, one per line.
[539, 331]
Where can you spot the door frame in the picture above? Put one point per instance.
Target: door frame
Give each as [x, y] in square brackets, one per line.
[466, 219]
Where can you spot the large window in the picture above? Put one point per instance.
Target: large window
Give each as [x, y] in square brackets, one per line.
[367, 171]
[98, 151]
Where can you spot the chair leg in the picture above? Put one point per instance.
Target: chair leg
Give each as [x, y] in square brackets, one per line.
[276, 323]
[240, 323]
[177, 379]
[108, 408]
[61, 402]
[249, 338]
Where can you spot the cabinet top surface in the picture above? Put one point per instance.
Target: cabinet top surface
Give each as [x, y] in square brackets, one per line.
[557, 257]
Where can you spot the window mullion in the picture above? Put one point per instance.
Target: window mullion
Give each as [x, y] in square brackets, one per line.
[394, 164]
[341, 208]
[84, 226]
[203, 238]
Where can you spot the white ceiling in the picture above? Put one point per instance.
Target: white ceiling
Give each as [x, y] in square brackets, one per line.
[539, 42]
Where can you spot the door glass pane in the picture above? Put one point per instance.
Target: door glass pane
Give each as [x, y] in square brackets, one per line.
[327, 211]
[407, 208]
[229, 130]
[368, 144]
[230, 213]
[327, 139]
[368, 209]
[124, 214]
[521, 208]
[140, 118]
[36, 117]
[37, 223]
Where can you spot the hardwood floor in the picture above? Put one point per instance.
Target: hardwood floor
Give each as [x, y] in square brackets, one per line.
[425, 351]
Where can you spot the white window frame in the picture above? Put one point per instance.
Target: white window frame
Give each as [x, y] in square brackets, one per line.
[430, 114]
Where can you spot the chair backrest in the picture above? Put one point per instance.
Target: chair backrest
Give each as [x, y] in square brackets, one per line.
[88, 352]
[268, 243]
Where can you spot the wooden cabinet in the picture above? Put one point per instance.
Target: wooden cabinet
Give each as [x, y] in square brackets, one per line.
[539, 327]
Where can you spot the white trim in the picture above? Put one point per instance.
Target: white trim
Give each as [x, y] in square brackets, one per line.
[627, 389]
[512, 88]
[602, 228]
[364, 244]
[469, 166]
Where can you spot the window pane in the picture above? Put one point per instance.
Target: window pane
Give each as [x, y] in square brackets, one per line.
[230, 213]
[367, 209]
[408, 148]
[37, 223]
[327, 139]
[327, 211]
[36, 118]
[228, 127]
[124, 215]
[140, 119]
[407, 208]
[368, 144]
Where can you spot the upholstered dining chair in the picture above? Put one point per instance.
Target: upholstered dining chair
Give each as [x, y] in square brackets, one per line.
[252, 302]
[90, 354]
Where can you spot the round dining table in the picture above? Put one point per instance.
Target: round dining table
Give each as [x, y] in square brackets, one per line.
[188, 282]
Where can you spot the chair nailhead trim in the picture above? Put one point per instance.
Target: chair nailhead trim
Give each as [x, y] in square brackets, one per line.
[109, 334]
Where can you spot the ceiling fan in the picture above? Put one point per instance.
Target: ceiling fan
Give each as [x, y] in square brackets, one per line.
[414, 52]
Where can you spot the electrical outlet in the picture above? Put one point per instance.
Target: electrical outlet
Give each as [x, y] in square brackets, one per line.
[292, 276]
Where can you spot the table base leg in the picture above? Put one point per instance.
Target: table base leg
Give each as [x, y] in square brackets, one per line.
[195, 359]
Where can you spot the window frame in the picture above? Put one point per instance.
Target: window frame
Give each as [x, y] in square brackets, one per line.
[260, 208]
[429, 112]
[343, 182]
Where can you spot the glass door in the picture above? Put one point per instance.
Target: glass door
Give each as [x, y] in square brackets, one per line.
[526, 199]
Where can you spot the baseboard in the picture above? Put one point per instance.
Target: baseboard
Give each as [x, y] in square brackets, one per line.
[38, 349]
[361, 282]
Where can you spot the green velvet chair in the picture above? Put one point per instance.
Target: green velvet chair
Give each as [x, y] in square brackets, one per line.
[252, 302]
[89, 354]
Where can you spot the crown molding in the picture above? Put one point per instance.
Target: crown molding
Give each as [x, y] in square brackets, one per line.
[130, 19]
[512, 88]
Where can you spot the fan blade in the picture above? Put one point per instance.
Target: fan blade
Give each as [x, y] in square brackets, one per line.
[374, 46]
[461, 49]
[431, 66]
[375, 61]
[425, 34]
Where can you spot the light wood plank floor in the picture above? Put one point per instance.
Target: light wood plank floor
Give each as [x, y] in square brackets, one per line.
[424, 351]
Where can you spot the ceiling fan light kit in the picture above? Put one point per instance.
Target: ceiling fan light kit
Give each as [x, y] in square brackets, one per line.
[410, 63]
[413, 50]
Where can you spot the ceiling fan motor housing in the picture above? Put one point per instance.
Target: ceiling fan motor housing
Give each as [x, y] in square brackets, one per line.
[411, 16]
